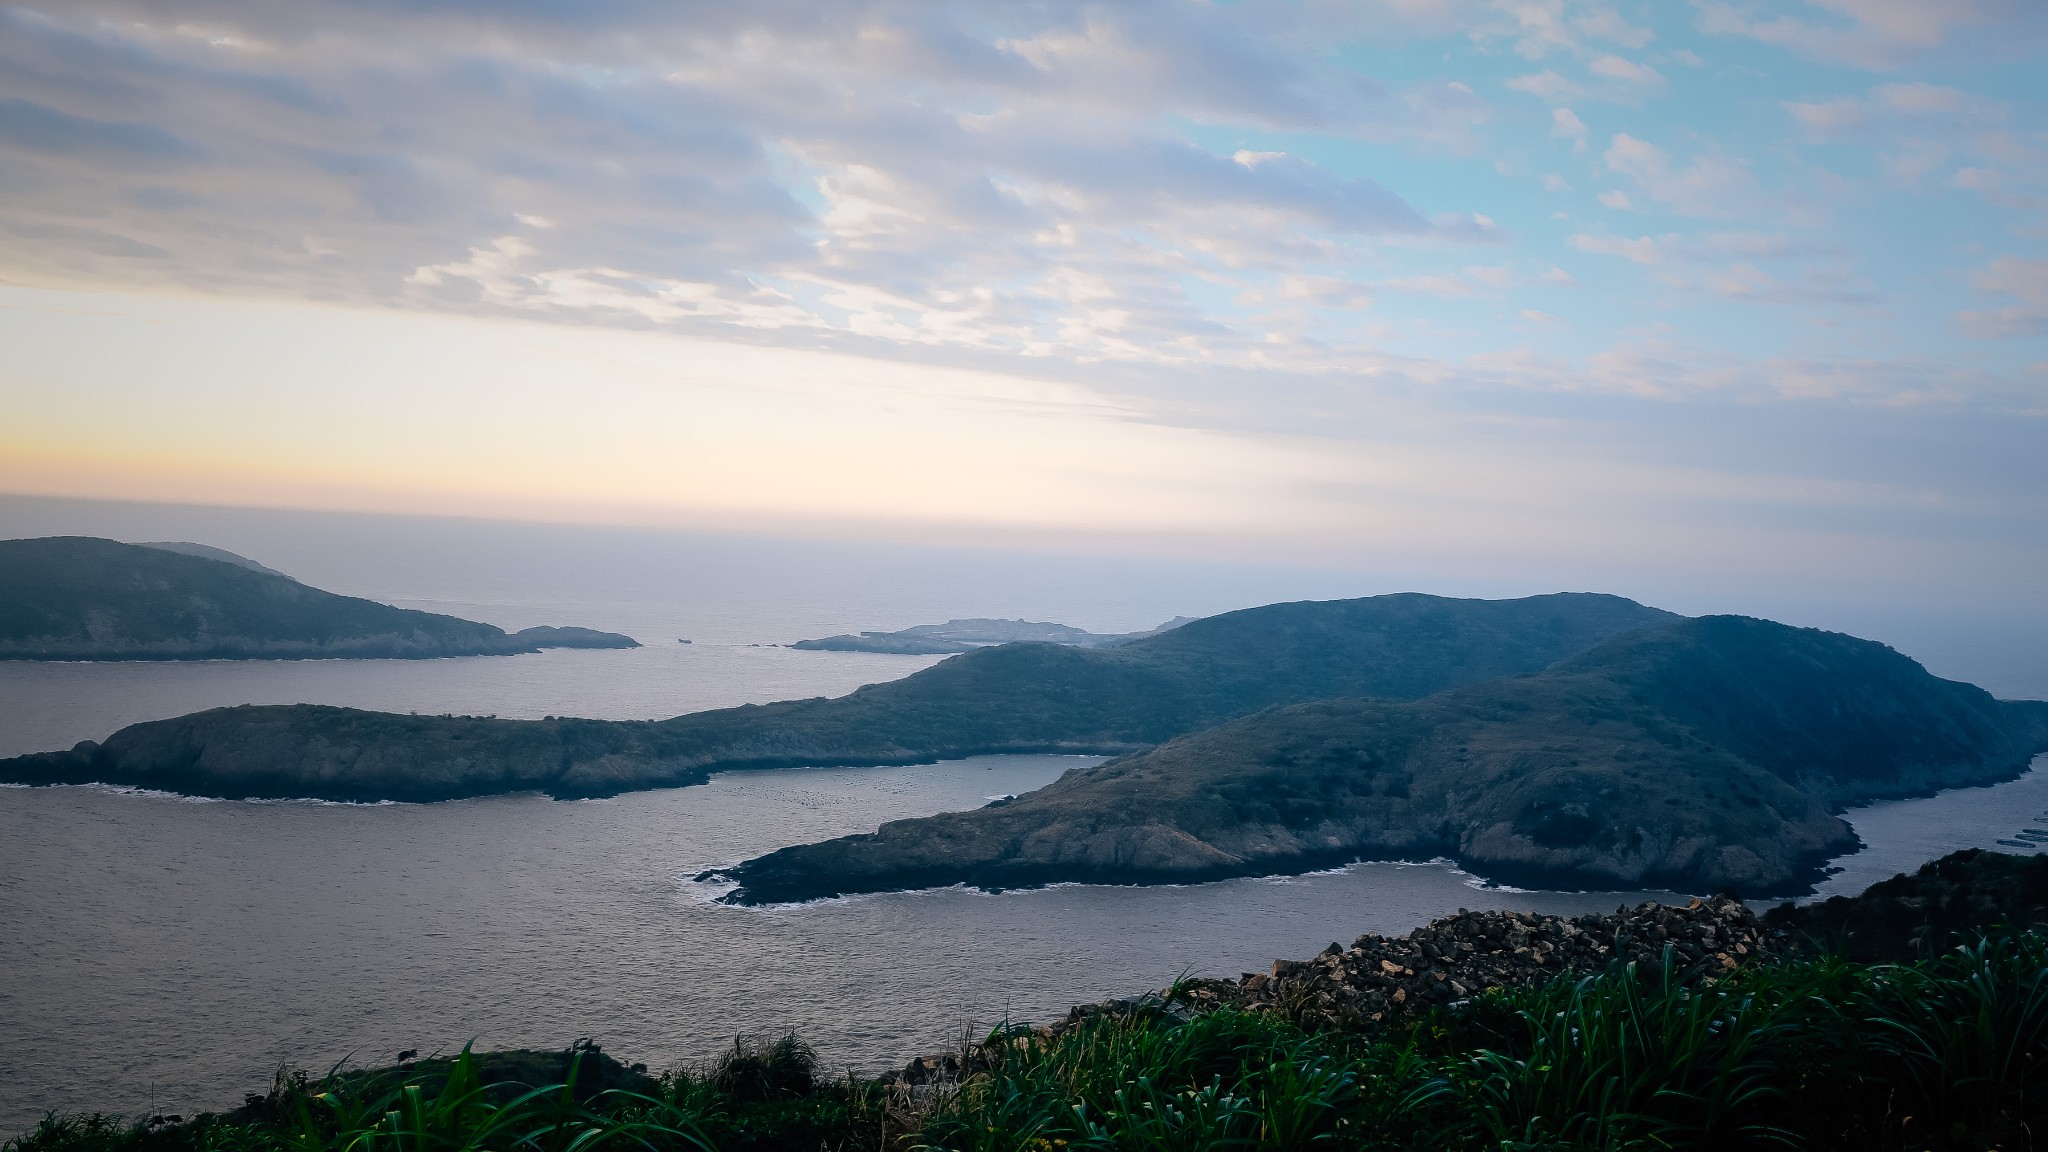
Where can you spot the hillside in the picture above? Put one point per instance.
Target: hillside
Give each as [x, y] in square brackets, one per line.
[1699, 754]
[83, 598]
[1012, 698]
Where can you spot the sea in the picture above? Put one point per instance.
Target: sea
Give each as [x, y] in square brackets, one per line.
[166, 955]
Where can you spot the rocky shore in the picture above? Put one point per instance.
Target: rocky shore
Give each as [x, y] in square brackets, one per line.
[1381, 980]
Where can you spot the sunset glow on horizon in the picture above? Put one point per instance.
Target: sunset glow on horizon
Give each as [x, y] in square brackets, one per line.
[1591, 289]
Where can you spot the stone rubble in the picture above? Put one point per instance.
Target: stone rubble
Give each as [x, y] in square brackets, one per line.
[1379, 979]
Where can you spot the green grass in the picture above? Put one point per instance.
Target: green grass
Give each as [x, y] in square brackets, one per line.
[1948, 1053]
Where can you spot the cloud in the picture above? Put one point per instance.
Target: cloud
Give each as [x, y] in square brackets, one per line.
[1641, 250]
[1919, 129]
[1883, 34]
[2026, 282]
[1617, 68]
[1539, 28]
[1546, 86]
[1752, 267]
[1712, 185]
[1895, 106]
[971, 175]
[1152, 186]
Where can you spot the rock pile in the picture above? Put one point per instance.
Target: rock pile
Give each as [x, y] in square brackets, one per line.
[1379, 978]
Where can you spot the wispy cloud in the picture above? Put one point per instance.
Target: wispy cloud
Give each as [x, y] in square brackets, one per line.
[1711, 185]
[1881, 34]
[2025, 282]
[1101, 191]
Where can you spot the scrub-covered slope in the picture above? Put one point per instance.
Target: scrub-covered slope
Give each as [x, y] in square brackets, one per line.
[83, 598]
[1013, 698]
[1700, 754]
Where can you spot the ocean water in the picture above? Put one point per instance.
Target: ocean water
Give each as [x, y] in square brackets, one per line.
[160, 954]
[45, 706]
[166, 954]
[175, 951]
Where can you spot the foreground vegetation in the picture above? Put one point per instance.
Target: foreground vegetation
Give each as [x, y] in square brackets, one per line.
[1946, 1053]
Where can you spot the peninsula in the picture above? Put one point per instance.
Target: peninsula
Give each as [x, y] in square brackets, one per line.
[1701, 755]
[1009, 698]
[84, 598]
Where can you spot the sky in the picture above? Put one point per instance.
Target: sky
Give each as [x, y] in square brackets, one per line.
[1720, 296]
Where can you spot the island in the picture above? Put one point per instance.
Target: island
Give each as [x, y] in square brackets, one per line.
[1569, 740]
[1702, 754]
[85, 598]
[966, 635]
[1013, 698]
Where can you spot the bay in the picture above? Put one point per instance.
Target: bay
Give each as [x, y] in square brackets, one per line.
[176, 951]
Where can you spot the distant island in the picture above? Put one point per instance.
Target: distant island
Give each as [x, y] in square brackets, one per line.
[1010, 698]
[1565, 740]
[966, 635]
[84, 598]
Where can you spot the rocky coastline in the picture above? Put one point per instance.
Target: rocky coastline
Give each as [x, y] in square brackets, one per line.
[1381, 981]
[1430, 1021]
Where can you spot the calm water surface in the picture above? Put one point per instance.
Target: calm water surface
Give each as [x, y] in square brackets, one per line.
[45, 706]
[167, 953]
[174, 951]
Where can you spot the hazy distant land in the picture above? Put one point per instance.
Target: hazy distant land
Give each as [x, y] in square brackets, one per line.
[966, 635]
[84, 598]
